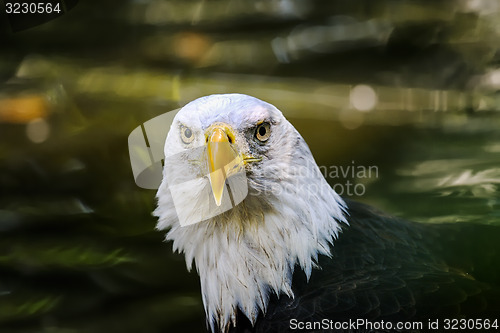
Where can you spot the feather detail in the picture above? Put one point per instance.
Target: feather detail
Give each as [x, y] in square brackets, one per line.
[250, 251]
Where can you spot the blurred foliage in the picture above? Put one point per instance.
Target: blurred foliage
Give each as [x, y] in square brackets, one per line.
[407, 86]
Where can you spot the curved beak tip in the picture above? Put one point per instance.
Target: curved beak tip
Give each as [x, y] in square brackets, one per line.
[220, 157]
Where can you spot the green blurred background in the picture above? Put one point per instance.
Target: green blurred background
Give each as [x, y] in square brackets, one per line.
[407, 87]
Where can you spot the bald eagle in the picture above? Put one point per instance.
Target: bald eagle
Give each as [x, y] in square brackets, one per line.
[277, 249]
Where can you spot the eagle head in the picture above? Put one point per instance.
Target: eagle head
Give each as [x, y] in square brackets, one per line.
[243, 198]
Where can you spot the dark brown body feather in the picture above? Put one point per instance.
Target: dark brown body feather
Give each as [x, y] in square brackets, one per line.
[384, 268]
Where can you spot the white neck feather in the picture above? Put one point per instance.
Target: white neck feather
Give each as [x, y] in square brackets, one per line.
[246, 253]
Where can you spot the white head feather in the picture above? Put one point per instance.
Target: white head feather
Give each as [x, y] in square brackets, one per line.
[290, 216]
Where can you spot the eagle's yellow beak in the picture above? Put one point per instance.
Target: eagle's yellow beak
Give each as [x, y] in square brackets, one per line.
[223, 160]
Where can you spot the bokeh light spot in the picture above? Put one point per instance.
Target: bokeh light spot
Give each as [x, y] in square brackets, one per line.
[363, 97]
[38, 130]
[351, 119]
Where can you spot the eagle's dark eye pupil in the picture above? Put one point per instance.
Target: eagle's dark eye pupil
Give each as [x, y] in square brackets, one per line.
[187, 135]
[263, 132]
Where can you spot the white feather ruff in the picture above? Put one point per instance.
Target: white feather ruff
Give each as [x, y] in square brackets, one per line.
[290, 216]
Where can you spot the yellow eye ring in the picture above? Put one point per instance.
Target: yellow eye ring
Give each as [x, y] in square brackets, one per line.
[187, 135]
[263, 132]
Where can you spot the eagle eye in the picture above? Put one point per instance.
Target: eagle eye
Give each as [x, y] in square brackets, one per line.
[263, 132]
[187, 135]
